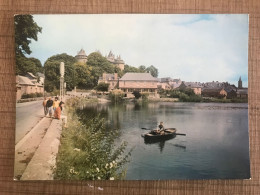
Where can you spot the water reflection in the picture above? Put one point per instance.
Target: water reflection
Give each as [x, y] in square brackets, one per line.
[216, 145]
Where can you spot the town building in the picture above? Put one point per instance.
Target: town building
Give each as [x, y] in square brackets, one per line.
[214, 92]
[240, 83]
[168, 83]
[242, 93]
[231, 91]
[116, 60]
[195, 86]
[142, 82]
[27, 85]
[81, 56]
[111, 79]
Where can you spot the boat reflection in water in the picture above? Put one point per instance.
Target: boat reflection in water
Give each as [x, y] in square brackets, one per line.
[158, 139]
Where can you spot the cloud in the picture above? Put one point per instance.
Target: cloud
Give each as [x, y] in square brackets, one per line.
[190, 47]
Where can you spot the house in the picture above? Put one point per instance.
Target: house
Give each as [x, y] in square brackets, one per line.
[27, 85]
[176, 83]
[164, 83]
[168, 83]
[142, 82]
[195, 86]
[242, 93]
[231, 91]
[111, 79]
[214, 92]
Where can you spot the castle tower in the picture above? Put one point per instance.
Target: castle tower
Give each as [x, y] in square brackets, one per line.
[111, 57]
[240, 83]
[120, 63]
[81, 56]
[116, 61]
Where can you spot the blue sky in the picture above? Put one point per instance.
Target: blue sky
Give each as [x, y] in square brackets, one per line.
[190, 47]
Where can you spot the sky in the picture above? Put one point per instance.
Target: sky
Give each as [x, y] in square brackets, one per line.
[197, 48]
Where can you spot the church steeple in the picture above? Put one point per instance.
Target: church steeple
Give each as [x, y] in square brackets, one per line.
[240, 83]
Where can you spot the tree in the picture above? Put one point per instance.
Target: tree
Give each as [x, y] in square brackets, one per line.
[99, 65]
[102, 86]
[152, 70]
[137, 94]
[52, 72]
[142, 68]
[24, 65]
[96, 59]
[82, 76]
[25, 30]
[131, 69]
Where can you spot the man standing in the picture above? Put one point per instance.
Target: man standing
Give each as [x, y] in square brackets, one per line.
[49, 106]
[44, 106]
[56, 103]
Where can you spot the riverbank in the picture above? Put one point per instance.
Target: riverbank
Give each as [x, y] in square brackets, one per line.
[88, 151]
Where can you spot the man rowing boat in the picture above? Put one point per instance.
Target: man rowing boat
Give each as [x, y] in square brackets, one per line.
[160, 130]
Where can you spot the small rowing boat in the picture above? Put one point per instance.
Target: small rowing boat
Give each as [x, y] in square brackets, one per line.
[154, 135]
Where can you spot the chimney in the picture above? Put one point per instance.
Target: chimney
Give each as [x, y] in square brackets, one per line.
[115, 76]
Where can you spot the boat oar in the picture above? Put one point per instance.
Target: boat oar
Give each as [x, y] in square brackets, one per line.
[145, 128]
[181, 134]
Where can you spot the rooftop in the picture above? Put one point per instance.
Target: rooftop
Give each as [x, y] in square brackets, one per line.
[138, 77]
[22, 80]
[192, 84]
[82, 53]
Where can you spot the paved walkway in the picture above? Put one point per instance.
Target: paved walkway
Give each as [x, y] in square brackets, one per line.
[43, 161]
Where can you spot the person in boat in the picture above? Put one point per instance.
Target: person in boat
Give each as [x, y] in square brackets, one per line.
[161, 128]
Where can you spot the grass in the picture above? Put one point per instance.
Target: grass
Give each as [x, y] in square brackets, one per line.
[89, 151]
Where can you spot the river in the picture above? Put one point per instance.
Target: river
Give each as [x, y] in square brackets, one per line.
[216, 145]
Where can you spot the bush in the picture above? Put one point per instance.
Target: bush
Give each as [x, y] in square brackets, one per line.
[137, 94]
[55, 92]
[89, 151]
[31, 95]
[116, 95]
[184, 97]
[39, 94]
[144, 96]
[102, 86]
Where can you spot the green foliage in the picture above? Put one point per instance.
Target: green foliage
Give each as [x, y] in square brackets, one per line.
[89, 151]
[131, 69]
[24, 65]
[152, 70]
[142, 68]
[32, 95]
[25, 30]
[102, 86]
[186, 95]
[145, 96]
[116, 95]
[137, 94]
[83, 77]
[52, 72]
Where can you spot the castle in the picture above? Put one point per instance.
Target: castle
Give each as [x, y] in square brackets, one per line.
[83, 58]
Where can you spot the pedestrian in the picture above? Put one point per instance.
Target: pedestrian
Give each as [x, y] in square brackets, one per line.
[58, 114]
[49, 106]
[56, 103]
[44, 106]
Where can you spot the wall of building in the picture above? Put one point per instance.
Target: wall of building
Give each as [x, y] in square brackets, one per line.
[138, 84]
[197, 90]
